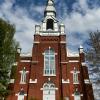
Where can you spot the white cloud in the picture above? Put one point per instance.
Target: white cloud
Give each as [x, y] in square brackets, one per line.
[77, 22]
[24, 24]
[38, 9]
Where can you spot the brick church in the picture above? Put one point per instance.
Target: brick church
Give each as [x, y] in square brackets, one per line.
[49, 73]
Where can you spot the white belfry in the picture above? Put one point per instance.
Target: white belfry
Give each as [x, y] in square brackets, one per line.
[50, 25]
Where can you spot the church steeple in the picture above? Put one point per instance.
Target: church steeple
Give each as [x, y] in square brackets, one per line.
[50, 25]
[50, 9]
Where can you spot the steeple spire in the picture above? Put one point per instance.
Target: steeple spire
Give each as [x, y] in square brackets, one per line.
[50, 9]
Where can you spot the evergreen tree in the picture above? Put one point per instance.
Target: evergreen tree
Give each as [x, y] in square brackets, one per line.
[7, 55]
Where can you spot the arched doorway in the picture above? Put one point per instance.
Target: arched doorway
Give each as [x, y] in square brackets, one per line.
[48, 91]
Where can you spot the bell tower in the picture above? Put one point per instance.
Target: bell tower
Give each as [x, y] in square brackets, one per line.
[49, 55]
[50, 25]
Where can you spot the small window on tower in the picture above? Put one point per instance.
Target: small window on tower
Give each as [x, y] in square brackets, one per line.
[50, 24]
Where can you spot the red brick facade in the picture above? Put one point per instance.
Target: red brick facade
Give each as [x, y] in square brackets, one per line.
[65, 65]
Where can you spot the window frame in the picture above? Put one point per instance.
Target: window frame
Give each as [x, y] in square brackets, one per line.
[23, 73]
[50, 71]
[75, 76]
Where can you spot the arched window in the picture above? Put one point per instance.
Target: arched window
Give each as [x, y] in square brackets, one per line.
[50, 23]
[49, 62]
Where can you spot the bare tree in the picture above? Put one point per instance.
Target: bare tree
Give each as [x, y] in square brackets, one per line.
[93, 53]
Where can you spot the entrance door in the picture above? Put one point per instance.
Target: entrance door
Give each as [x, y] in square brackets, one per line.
[21, 97]
[49, 94]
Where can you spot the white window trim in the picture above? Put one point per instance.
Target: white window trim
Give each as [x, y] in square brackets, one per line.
[19, 94]
[53, 88]
[80, 95]
[53, 70]
[76, 83]
[75, 72]
[73, 61]
[49, 75]
[63, 42]
[75, 78]
[54, 53]
[31, 81]
[48, 33]
[12, 80]
[36, 42]
[21, 76]
[83, 63]
[87, 81]
[64, 62]
[25, 61]
[65, 81]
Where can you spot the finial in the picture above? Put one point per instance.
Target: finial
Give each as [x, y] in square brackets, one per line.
[81, 47]
[81, 50]
[50, 8]
[19, 50]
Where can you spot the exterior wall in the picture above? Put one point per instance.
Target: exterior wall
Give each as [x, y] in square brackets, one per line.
[64, 86]
[22, 62]
[37, 69]
[64, 67]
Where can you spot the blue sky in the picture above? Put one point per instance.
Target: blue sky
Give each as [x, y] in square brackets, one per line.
[79, 16]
